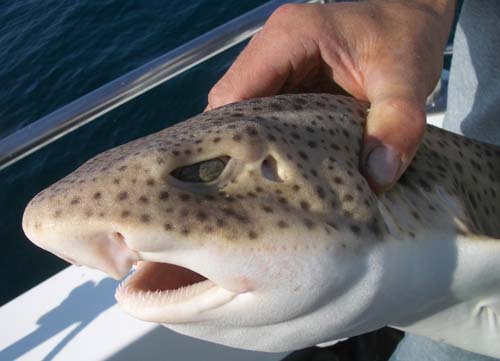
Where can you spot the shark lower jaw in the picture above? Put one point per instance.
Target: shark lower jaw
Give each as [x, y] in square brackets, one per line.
[170, 294]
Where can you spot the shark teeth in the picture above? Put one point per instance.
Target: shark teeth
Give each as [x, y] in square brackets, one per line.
[182, 304]
[160, 297]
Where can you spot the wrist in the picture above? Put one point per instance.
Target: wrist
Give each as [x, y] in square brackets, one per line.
[440, 11]
[443, 12]
[442, 8]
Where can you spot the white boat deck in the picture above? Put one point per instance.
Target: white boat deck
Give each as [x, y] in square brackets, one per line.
[73, 316]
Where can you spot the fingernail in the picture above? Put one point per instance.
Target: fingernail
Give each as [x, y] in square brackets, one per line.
[382, 165]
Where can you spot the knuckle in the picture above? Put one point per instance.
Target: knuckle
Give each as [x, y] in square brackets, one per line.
[285, 12]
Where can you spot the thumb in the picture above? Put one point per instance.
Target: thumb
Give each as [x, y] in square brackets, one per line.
[393, 132]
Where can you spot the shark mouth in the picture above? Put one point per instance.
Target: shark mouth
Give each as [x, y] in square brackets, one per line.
[167, 293]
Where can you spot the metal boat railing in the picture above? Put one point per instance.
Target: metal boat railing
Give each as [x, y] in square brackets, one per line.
[127, 87]
[119, 91]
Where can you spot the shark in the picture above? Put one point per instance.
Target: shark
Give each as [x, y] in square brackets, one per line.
[251, 226]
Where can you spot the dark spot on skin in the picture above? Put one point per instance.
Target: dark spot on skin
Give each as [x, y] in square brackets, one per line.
[300, 101]
[184, 197]
[374, 228]
[476, 165]
[143, 199]
[355, 229]
[150, 182]
[175, 153]
[184, 212]
[312, 144]
[167, 227]
[348, 198]
[271, 138]
[122, 168]
[252, 235]
[145, 218]
[473, 200]
[201, 216]
[163, 196]
[309, 129]
[424, 185]
[220, 222]
[320, 191]
[185, 231]
[216, 140]
[57, 213]
[295, 135]
[125, 214]
[303, 155]
[267, 209]
[338, 180]
[228, 211]
[282, 224]
[276, 106]
[296, 187]
[116, 181]
[75, 201]
[251, 131]
[122, 196]
[308, 223]
[282, 200]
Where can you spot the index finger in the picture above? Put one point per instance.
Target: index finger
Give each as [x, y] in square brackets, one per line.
[272, 57]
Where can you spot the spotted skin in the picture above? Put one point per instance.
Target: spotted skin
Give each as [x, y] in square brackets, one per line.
[292, 187]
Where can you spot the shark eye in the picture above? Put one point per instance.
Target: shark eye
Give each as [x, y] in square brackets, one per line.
[202, 172]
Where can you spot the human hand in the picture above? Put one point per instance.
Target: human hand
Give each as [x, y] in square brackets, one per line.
[388, 53]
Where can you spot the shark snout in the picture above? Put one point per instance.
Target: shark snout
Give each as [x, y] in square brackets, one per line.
[98, 247]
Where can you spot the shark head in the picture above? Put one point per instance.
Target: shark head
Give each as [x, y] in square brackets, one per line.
[250, 225]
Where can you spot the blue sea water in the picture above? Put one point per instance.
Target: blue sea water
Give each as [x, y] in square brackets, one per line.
[54, 51]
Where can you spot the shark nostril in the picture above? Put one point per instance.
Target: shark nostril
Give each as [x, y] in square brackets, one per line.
[270, 169]
[117, 236]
